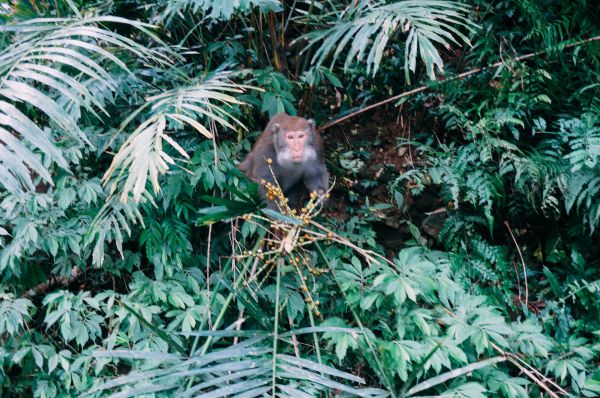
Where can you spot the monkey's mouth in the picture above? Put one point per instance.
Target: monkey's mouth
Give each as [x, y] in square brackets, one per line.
[298, 158]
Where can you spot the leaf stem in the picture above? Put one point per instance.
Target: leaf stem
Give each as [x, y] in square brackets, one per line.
[314, 334]
[228, 300]
[456, 77]
[444, 377]
[275, 324]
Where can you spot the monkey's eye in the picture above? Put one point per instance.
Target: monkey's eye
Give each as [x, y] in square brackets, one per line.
[301, 135]
[290, 136]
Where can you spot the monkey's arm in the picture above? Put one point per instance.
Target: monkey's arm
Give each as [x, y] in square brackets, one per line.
[247, 165]
[316, 178]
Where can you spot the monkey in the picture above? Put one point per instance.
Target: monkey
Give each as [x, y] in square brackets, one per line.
[292, 148]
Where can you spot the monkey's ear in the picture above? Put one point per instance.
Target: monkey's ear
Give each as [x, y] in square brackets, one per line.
[276, 127]
[312, 124]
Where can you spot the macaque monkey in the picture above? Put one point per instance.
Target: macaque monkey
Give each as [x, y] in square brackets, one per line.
[290, 151]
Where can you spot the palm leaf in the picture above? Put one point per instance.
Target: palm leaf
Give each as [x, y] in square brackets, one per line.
[241, 370]
[245, 202]
[141, 158]
[112, 223]
[366, 29]
[215, 10]
[47, 71]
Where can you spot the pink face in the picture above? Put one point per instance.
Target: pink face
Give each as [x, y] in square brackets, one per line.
[296, 141]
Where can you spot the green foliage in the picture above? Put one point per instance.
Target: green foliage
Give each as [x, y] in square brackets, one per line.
[137, 260]
[141, 157]
[244, 368]
[278, 96]
[215, 10]
[14, 313]
[372, 24]
[74, 315]
[416, 292]
[44, 49]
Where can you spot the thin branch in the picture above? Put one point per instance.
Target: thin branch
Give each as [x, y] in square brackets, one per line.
[53, 282]
[287, 21]
[538, 373]
[273, 35]
[512, 358]
[213, 130]
[518, 280]
[522, 262]
[534, 378]
[533, 374]
[294, 338]
[457, 77]
[208, 251]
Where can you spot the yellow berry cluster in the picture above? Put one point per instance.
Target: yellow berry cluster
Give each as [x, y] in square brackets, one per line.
[317, 271]
[313, 305]
[251, 253]
[287, 241]
[297, 261]
[274, 192]
[315, 195]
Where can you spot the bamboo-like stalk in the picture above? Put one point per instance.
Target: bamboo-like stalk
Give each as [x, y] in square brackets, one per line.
[275, 47]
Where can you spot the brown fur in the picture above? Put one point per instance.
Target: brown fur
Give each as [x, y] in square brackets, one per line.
[264, 146]
[314, 174]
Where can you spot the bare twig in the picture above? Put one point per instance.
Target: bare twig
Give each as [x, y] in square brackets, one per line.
[53, 282]
[522, 262]
[294, 339]
[533, 374]
[213, 130]
[457, 77]
[371, 256]
[208, 251]
[533, 377]
[518, 280]
[539, 374]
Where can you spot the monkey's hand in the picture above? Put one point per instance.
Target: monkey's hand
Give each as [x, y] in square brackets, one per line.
[272, 193]
[316, 179]
[319, 198]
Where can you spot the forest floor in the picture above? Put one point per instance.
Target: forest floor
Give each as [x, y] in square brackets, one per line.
[374, 150]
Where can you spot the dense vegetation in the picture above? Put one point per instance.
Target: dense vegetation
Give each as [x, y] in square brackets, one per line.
[458, 254]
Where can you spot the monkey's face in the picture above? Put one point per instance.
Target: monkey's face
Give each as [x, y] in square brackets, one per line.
[296, 142]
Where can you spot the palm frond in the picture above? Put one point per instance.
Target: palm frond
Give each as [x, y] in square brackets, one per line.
[142, 158]
[47, 71]
[583, 135]
[582, 191]
[215, 10]
[368, 28]
[238, 370]
[112, 223]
